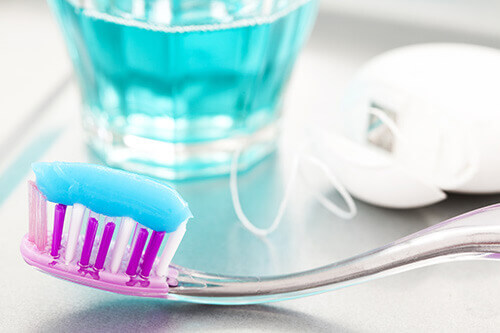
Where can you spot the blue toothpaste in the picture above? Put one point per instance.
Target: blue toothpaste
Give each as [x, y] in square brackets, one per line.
[113, 193]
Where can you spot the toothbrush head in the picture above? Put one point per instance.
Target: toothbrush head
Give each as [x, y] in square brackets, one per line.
[86, 246]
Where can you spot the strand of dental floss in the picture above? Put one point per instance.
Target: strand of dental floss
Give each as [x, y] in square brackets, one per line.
[300, 155]
[292, 178]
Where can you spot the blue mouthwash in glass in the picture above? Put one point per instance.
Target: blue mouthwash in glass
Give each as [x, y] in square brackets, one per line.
[171, 87]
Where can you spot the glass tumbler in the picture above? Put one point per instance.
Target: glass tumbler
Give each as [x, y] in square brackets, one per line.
[172, 88]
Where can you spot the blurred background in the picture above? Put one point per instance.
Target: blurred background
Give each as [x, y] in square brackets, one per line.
[457, 15]
[347, 33]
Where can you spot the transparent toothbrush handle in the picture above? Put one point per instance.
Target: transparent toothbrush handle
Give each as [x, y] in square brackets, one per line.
[474, 235]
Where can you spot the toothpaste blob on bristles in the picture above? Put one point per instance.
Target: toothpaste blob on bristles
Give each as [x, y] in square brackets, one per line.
[113, 193]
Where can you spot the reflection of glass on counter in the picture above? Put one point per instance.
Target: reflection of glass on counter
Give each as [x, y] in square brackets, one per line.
[172, 88]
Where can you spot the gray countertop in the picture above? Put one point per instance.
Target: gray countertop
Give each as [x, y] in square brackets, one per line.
[463, 296]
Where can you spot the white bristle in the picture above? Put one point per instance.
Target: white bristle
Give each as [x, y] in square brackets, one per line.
[126, 227]
[94, 215]
[173, 242]
[75, 226]
[132, 243]
[50, 215]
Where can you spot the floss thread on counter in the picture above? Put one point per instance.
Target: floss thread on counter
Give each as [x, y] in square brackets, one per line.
[298, 157]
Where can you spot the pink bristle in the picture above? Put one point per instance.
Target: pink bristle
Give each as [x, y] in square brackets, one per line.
[38, 217]
[32, 202]
[41, 241]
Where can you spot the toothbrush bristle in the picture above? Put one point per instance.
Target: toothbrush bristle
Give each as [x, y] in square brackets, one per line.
[126, 228]
[151, 252]
[38, 216]
[75, 227]
[59, 214]
[137, 252]
[88, 243]
[123, 265]
[107, 235]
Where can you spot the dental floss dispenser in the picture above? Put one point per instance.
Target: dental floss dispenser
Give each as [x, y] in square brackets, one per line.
[420, 120]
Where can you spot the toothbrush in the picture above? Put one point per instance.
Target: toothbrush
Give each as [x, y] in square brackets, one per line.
[474, 235]
[116, 258]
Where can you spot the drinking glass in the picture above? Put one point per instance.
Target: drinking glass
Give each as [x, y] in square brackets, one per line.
[172, 88]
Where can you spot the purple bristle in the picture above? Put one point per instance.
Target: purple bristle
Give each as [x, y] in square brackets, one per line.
[89, 241]
[59, 213]
[107, 235]
[151, 252]
[140, 242]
